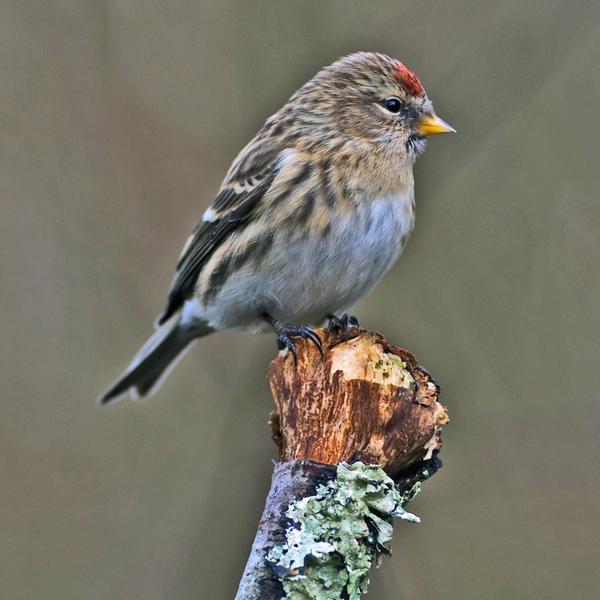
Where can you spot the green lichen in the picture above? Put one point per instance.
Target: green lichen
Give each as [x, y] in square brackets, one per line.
[335, 536]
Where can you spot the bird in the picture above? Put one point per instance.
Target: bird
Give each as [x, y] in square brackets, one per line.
[312, 213]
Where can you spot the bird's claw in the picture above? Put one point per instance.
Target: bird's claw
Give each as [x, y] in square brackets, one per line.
[342, 324]
[285, 332]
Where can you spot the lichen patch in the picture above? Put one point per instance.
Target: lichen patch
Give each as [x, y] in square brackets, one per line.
[335, 536]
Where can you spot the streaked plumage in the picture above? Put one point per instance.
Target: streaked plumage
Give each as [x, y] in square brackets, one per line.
[312, 213]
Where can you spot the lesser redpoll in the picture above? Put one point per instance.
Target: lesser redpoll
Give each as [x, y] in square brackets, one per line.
[311, 215]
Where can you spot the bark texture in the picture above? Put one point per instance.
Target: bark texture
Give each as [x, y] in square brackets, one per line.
[291, 480]
[365, 400]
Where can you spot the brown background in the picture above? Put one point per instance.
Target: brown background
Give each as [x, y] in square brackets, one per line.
[118, 120]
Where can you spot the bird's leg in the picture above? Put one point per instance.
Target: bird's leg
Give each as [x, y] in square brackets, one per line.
[343, 324]
[285, 332]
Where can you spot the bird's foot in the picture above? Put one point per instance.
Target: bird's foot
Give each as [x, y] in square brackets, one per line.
[342, 325]
[285, 332]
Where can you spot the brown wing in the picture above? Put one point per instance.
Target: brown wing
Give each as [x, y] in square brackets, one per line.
[232, 206]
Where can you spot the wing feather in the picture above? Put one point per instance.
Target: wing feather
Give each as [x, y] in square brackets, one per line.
[232, 206]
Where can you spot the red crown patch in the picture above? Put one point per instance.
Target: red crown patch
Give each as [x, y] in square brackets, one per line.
[409, 80]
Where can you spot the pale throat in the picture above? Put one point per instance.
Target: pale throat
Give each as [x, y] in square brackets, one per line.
[384, 172]
[388, 180]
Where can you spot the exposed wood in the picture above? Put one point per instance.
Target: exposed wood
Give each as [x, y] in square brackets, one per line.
[366, 400]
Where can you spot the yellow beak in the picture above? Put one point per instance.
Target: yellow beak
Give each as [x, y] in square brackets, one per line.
[431, 124]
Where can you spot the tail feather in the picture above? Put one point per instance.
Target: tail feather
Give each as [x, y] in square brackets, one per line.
[155, 359]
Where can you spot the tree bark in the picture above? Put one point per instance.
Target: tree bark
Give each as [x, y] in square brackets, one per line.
[291, 480]
[357, 431]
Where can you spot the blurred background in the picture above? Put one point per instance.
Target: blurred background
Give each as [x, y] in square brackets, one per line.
[118, 120]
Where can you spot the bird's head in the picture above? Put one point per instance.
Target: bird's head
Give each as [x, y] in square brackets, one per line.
[372, 99]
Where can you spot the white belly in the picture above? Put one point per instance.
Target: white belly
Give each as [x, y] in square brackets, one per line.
[305, 279]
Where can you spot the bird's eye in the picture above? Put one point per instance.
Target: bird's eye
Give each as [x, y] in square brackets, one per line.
[393, 104]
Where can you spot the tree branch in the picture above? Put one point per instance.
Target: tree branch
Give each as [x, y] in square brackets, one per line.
[357, 432]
